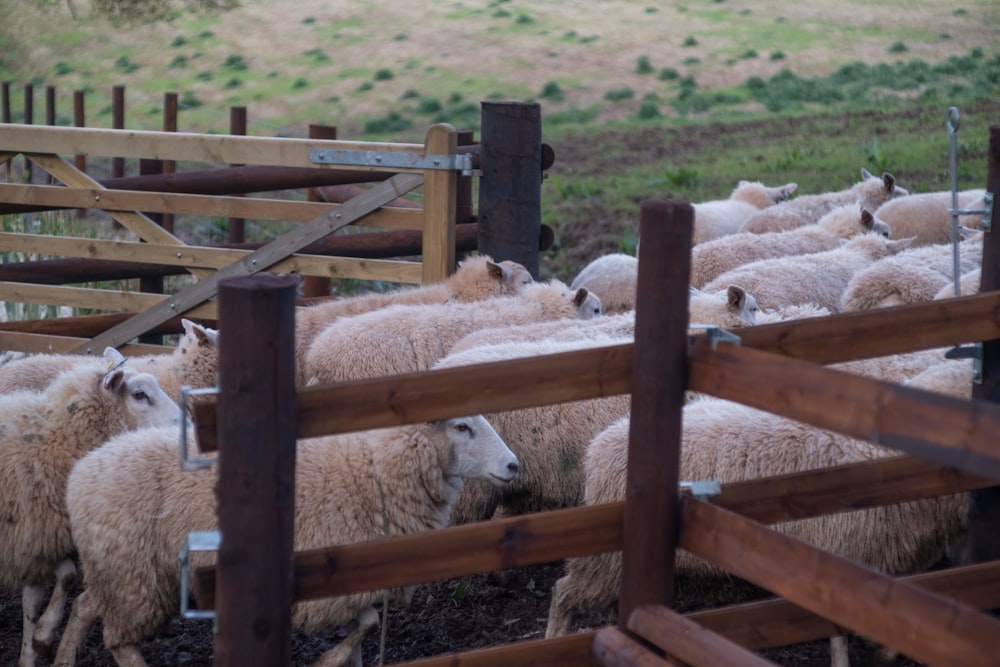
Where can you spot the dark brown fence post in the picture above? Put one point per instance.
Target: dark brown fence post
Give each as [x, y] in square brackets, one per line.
[318, 285]
[463, 198]
[50, 116]
[659, 376]
[169, 166]
[256, 487]
[5, 117]
[238, 126]
[29, 119]
[510, 189]
[984, 505]
[118, 123]
[80, 120]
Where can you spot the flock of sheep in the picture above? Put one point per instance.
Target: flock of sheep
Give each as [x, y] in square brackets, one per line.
[90, 446]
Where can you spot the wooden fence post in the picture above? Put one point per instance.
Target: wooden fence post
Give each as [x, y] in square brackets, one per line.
[256, 487]
[440, 187]
[5, 115]
[169, 166]
[318, 285]
[510, 189]
[118, 123]
[236, 227]
[983, 537]
[659, 376]
[80, 120]
[29, 119]
[50, 117]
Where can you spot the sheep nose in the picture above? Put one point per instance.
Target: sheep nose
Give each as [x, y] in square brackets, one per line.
[513, 467]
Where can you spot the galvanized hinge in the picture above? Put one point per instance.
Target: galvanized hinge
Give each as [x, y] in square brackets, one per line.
[974, 352]
[198, 540]
[189, 463]
[702, 489]
[377, 159]
[987, 212]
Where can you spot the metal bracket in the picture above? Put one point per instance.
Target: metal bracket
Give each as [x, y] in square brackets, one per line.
[974, 352]
[461, 162]
[716, 334]
[702, 489]
[191, 464]
[198, 540]
[987, 212]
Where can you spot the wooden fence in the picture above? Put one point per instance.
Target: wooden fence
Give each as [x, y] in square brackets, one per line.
[438, 166]
[949, 445]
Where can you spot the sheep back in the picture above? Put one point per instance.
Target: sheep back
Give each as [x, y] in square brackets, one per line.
[926, 216]
[613, 278]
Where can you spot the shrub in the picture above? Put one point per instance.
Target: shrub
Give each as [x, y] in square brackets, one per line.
[62, 68]
[777, 55]
[898, 47]
[300, 83]
[234, 82]
[235, 62]
[179, 40]
[189, 101]
[392, 122]
[429, 105]
[648, 110]
[383, 74]
[668, 74]
[616, 94]
[125, 65]
[642, 65]
[552, 91]
[690, 40]
[179, 62]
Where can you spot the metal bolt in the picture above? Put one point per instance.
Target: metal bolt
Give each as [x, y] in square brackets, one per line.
[173, 306]
[178, 255]
[97, 197]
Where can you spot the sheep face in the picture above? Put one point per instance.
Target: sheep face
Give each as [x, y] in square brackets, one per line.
[144, 403]
[588, 304]
[476, 451]
[513, 276]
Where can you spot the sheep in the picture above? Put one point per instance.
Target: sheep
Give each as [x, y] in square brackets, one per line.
[613, 279]
[194, 362]
[871, 192]
[717, 436]
[475, 278]
[926, 215]
[913, 276]
[42, 435]
[713, 219]
[408, 338]
[728, 307]
[613, 326]
[711, 259]
[818, 278]
[969, 283]
[549, 440]
[346, 486]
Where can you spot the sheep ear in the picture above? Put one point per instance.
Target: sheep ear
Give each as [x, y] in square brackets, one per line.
[114, 358]
[865, 174]
[580, 297]
[889, 181]
[497, 271]
[737, 297]
[113, 380]
[204, 335]
[867, 219]
[901, 244]
[787, 189]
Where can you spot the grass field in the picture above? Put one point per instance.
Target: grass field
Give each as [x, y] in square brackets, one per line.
[638, 99]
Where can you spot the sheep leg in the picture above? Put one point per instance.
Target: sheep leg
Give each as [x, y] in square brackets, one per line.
[559, 615]
[81, 616]
[348, 652]
[45, 633]
[839, 656]
[31, 600]
[128, 656]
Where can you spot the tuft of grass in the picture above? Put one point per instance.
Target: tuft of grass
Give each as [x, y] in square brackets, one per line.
[618, 94]
[898, 47]
[643, 66]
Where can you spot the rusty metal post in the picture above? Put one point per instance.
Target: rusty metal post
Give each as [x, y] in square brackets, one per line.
[256, 487]
[983, 538]
[510, 189]
[659, 377]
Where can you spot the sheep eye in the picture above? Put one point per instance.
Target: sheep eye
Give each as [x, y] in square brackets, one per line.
[140, 395]
[462, 428]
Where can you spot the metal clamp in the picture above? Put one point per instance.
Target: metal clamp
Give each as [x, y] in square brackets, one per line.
[198, 540]
[461, 162]
[188, 463]
[715, 334]
[974, 352]
[702, 489]
[987, 212]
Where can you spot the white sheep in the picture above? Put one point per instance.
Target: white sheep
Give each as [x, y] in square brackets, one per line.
[42, 435]
[915, 275]
[567, 330]
[409, 338]
[613, 278]
[131, 508]
[720, 217]
[475, 278]
[926, 215]
[717, 436]
[549, 440]
[728, 307]
[194, 362]
[714, 258]
[871, 192]
[969, 283]
[818, 278]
